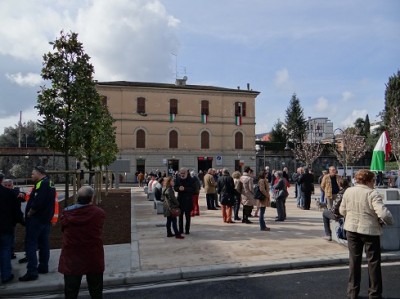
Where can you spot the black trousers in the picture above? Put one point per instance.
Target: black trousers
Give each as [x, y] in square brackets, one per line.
[210, 201]
[356, 243]
[187, 224]
[72, 283]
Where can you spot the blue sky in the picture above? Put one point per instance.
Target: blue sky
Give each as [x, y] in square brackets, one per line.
[336, 56]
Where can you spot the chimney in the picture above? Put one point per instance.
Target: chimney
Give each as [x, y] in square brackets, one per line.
[248, 86]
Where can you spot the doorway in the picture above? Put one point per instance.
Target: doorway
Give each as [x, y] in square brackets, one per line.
[204, 163]
[173, 166]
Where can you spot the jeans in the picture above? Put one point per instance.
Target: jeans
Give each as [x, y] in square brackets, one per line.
[72, 284]
[322, 200]
[172, 220]
[6, 241]
[261, 218]
[356, 242]
[327, 216]
[37, 237]
[300, 196]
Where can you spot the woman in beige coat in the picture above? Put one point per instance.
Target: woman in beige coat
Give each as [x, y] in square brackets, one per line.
[248, 200]
[365, 214]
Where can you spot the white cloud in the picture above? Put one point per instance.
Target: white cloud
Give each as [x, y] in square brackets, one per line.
[347, 96]
[322, 105]
[282, 79]
[30, 79]
[351, 118]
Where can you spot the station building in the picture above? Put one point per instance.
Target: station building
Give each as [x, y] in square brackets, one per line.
[165, 127]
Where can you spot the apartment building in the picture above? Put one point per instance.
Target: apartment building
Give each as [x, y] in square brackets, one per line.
[168, 126]
[318, 129]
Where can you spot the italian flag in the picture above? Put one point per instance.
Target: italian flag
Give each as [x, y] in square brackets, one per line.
[381, 153]
[238, 120]
[172, 117]
[204, 118]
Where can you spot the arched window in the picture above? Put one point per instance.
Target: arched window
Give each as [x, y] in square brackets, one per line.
[238, 140]
[173, 139]
[140, 139]
[205, 140]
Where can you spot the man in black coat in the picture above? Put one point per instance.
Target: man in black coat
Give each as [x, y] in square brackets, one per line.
[10, 215]
[306, 181]
[184, 185]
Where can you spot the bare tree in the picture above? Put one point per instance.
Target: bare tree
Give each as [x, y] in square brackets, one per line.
[349, 147]
[307, 152]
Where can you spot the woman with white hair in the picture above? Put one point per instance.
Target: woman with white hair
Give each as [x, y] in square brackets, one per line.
[281, 192]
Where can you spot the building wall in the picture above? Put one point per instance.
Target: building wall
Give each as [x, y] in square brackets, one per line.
[122, 103]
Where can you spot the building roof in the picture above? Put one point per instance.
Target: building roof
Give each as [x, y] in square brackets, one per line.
[176, 86]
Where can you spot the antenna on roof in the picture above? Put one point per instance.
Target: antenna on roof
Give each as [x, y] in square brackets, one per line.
[176, 65]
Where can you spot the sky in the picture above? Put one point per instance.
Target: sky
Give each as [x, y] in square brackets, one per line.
[336, 56]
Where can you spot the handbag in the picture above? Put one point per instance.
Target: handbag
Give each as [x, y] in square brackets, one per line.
[258, 194]
[175, 212]
[273, 203]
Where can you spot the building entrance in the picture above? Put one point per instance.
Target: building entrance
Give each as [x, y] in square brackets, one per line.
[173, 166]
[204, 163]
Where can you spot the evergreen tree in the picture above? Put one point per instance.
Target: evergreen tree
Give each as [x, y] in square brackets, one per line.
[278, 133]
[367, 126]
[23, 135]
[295, 122]
[392, 98]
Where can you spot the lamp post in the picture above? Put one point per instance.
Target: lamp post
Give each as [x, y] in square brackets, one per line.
[343, 148]
[258, 148]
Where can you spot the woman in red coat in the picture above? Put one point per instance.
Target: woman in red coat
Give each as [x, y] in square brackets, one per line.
[82, 251]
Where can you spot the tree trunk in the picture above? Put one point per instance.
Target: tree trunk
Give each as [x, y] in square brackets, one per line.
[66, 160]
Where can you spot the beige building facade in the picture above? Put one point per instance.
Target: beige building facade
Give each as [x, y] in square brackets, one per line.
[168, 126]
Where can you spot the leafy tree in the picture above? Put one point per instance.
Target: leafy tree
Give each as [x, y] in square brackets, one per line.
[99, 147]
[278, 132]
[67, 103]
[359, 124]
[23, 135]
[295, 122]
[392, 98]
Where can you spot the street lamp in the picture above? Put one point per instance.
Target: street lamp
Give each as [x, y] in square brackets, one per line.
[343, 148]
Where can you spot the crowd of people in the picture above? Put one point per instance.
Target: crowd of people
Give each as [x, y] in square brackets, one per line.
[360, 205]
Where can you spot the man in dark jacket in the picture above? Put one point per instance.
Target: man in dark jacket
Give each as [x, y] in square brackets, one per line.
[38, 214]
[10, 215]
[82, 251]
[306, 181]
[185, 187]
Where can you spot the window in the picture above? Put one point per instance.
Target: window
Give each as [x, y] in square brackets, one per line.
[204, 107]
[140, 139]
[141, 105]
[238, 140]
[173, 139]
[205, 140]
[173, 106]
[240, 109]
